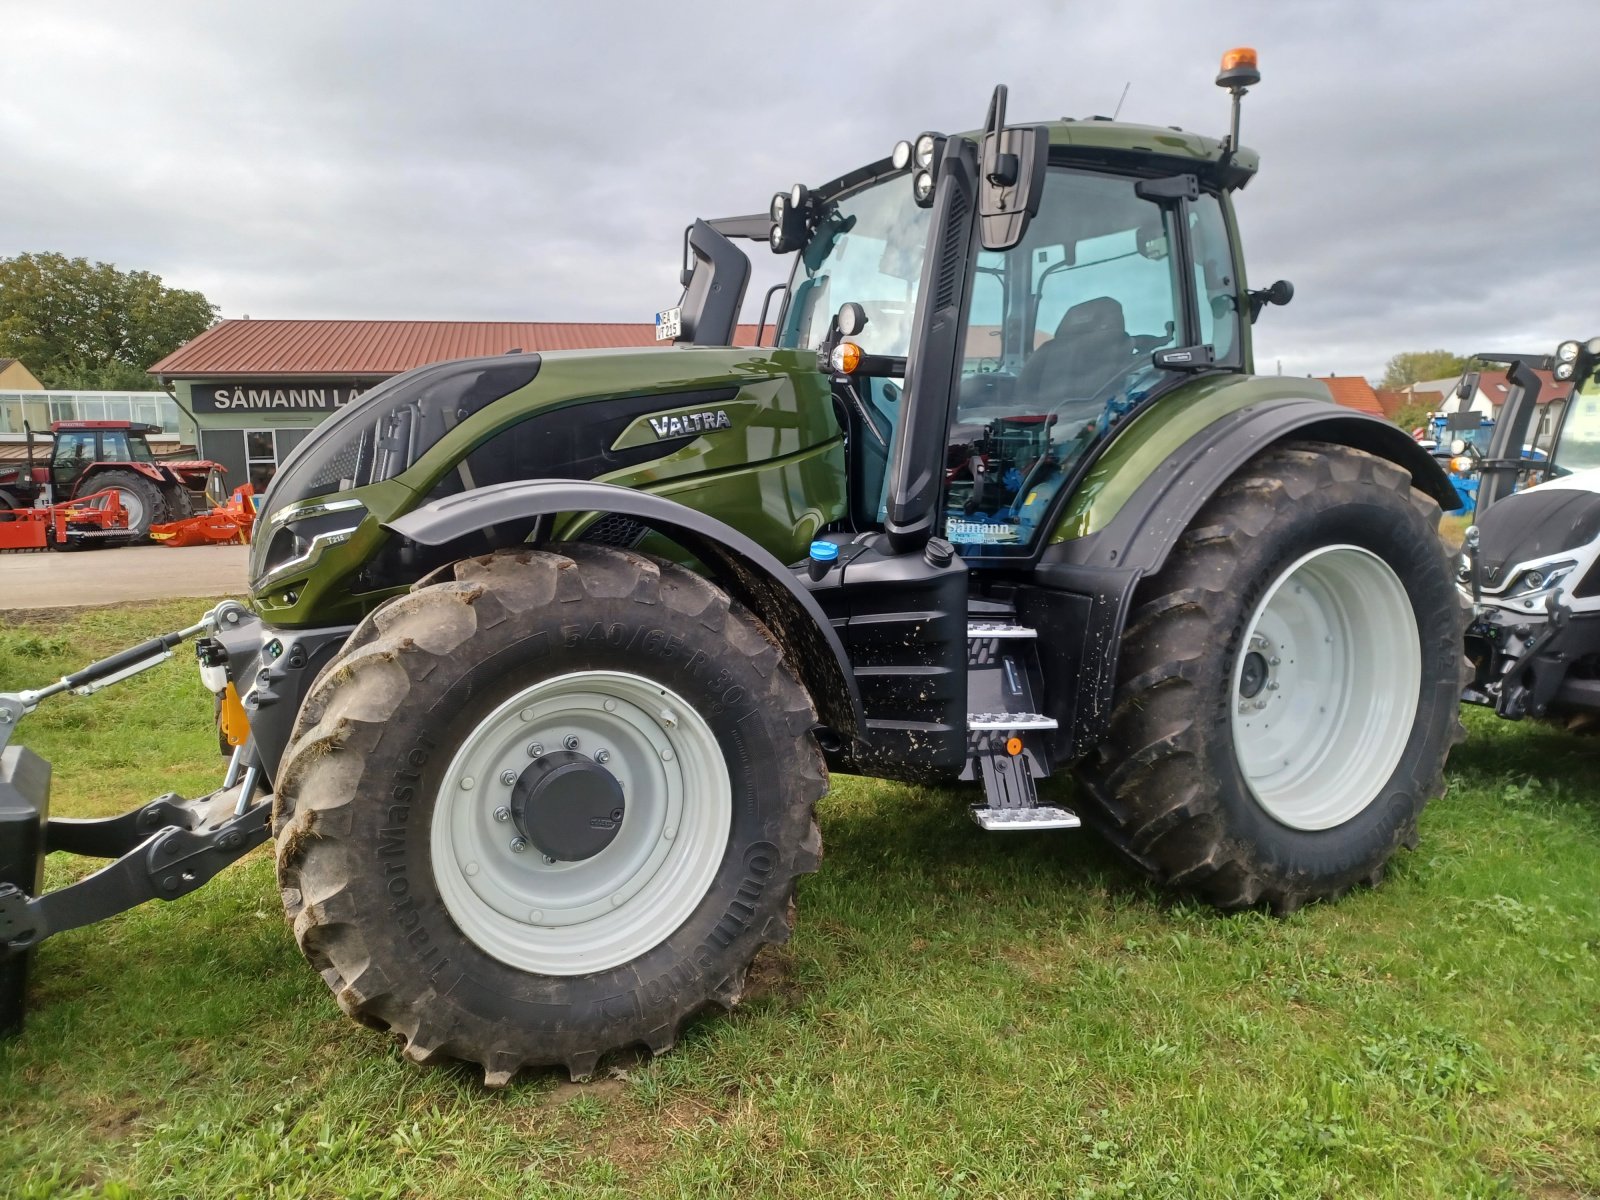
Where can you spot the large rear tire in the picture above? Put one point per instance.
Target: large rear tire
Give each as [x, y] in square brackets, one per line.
[1288, 686]
[141, 498]
[545, 807]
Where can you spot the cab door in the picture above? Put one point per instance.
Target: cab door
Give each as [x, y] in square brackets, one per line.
[74, 451]
[1062, 340]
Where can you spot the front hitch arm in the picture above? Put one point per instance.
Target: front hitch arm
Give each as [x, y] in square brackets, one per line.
[191, 842]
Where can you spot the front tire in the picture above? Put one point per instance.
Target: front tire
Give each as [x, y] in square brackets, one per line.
[471, 714]
[1288, 686]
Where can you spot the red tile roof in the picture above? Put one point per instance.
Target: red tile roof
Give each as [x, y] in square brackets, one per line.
[265, 349]
[1352, 391]
[1493, 385]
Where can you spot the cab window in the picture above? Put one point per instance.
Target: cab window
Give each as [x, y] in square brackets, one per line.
[1058, 346]
[75, 448]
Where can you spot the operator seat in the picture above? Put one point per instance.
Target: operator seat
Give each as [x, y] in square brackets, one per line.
[1090, 351]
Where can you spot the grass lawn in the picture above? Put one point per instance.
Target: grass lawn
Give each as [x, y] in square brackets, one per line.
[960, 1014]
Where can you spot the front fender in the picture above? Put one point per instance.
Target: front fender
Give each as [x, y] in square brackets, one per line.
[751, 574]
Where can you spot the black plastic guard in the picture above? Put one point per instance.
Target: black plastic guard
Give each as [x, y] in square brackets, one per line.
[748, 571]
[24, 809]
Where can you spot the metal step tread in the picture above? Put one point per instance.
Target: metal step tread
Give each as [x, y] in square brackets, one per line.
[999, 629]
[1004, 720]
[1042, 816]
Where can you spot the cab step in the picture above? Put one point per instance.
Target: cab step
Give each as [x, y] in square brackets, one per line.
[1000, 722]
[1041, 816]
[1012, 799]
[998, 629]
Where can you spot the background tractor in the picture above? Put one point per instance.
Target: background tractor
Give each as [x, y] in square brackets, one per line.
[95, 456]
[549, 655]
[1530, 561]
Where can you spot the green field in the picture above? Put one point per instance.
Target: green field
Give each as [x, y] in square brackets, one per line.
[959, 1014]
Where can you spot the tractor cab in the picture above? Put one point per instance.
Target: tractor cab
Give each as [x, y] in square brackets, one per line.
[79, 445]
[1122, 285]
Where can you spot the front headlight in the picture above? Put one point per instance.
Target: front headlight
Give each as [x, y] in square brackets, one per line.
[294, 537]
[1541, 578]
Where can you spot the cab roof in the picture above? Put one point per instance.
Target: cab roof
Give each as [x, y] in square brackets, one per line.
[1167, 141]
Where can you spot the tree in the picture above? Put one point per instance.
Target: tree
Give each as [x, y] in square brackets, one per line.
[1413, 366]
[1409, 416]
[78, 324]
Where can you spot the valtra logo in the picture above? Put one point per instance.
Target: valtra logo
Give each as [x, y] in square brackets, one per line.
[683, 424]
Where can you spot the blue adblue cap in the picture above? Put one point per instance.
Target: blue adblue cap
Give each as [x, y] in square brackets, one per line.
[824, 551]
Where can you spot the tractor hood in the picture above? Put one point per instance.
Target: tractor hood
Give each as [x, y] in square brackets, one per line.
[640, 417]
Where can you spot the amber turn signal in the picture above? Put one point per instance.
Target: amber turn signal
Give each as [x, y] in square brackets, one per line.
[846, 358]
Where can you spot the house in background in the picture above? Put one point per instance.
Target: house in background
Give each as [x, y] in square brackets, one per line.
[1493, 388]
[14, 377]
[1353, 391]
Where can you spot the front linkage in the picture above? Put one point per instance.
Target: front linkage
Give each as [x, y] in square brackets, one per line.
[163, 849]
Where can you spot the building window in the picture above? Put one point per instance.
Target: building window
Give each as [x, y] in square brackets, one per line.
[261, 457]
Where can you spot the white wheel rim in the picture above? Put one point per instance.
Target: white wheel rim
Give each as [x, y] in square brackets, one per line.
[571, 918]
[1325, 687]
[132, 507]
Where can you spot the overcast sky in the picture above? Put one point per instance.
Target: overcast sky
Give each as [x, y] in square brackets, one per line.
[1430, 175]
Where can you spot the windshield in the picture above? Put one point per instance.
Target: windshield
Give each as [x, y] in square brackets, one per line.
[868, 248]
[1579, 447]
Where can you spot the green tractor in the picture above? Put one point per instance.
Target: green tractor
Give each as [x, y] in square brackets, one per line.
[549, 656]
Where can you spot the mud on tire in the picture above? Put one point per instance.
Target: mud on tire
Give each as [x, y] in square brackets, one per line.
[362, 781]
[1166, 787]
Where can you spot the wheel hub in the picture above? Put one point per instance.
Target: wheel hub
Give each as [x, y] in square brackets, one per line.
[1253, 675]
[568, 806]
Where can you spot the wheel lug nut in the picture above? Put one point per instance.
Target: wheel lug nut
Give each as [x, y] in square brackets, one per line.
[535, 749]
[518, 845]
[602, 756]
[1274, 660]
[1273, 686]
[508, 778]
[572, 741]
[502, 814]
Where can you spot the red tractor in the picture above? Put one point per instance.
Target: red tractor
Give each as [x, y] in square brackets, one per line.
[92, 456]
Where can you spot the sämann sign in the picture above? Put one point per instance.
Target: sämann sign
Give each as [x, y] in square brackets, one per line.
[249, 396]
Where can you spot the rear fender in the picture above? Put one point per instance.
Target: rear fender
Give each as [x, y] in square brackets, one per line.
[741, 566]
[1095, 575]
[86, 482]
[1145, 528]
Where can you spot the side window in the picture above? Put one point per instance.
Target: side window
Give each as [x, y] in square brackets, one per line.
[1093, 289]
[75, 449]
[1215, 280]
[984, 351]
[114, 446]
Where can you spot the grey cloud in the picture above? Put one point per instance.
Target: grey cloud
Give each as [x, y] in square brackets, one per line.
[1421, 178]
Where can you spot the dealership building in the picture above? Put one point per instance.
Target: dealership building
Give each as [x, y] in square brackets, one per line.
[250, 391]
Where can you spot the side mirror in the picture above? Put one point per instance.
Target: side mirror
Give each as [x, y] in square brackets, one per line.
[1468, 387]
[852, 319]
[1010, 176]
[1280, 293]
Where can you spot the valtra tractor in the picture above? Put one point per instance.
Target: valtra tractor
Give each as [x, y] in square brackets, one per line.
[1531, 562]
[548, 656]
[95, 456]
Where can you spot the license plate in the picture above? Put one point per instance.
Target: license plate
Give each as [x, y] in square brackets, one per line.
[669, 324]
